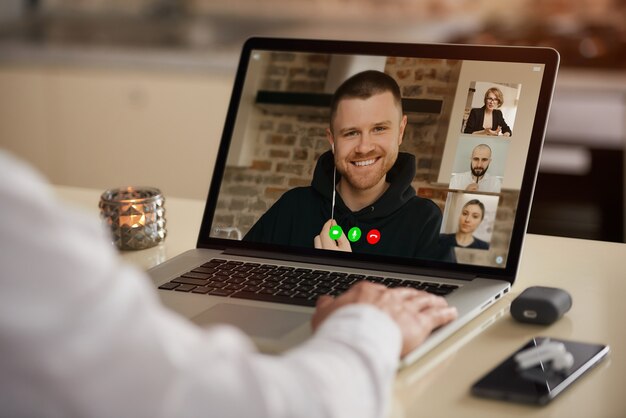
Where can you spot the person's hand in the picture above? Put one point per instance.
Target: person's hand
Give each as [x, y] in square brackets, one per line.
[493, 132]
[323, 241]
[416, 313]
[472, 187]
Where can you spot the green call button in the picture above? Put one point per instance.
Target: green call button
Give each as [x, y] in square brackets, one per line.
[335, 232]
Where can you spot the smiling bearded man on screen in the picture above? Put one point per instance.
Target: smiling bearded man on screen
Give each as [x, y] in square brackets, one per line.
[372, 183]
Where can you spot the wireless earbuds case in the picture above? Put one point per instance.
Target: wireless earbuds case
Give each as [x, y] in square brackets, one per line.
[541, 305]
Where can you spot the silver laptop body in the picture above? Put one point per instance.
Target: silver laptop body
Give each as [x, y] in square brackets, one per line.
[281, 92]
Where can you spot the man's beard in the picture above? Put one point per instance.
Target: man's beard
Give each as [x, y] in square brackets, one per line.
[478, 172]
[367, 182]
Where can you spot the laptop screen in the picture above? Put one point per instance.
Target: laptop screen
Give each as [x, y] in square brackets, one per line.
[414, 155]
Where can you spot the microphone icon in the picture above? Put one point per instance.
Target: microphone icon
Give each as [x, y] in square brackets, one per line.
[354, 234]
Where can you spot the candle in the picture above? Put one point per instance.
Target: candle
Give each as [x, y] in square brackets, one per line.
[135, 216]
[132, 215]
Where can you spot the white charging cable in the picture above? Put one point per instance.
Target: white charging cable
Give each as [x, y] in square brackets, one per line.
[332, 209]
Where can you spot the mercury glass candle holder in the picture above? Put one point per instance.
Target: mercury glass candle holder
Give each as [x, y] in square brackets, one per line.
[135, 216]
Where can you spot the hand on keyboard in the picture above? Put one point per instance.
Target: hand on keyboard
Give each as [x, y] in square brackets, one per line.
[417, 313]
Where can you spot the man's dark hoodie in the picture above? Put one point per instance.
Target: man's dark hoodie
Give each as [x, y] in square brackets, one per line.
[409, 225]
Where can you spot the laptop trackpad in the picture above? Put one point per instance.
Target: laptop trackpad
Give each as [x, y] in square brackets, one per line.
[255, 322]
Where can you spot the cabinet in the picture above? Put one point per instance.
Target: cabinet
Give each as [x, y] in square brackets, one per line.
[91, 127]
[580, 188]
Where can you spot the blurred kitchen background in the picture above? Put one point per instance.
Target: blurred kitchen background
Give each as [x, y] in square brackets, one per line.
[103, 93]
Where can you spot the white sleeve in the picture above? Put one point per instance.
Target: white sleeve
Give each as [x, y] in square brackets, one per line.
[491, 184]
[497, 185]
[82, 334]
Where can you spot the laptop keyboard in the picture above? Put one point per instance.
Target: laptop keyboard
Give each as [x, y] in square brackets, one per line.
[281, 284]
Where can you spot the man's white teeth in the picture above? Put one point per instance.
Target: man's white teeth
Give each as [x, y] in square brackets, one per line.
[364, 163]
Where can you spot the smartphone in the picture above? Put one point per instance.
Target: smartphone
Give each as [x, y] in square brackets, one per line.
[539, 384]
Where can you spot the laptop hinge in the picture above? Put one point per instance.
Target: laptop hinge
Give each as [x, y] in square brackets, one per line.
[350, 263]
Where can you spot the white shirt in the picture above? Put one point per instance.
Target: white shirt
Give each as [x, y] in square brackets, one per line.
[83, 334]
[487, 183]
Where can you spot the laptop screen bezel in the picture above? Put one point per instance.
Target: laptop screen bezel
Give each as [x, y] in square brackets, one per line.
[514, 54]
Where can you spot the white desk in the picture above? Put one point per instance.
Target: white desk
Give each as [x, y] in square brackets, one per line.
[438, 384]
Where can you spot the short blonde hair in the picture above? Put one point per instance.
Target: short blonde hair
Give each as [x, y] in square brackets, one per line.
[496, 91]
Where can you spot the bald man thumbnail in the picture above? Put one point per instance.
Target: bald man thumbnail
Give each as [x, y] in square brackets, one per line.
[477, 179]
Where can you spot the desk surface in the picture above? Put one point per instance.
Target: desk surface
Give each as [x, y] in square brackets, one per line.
[438, 384]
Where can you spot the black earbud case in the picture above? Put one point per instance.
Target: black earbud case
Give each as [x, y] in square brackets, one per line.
[541, 305]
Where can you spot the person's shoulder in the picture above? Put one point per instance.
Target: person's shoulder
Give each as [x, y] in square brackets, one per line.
[286, 208]
[480, 244]
[459, 178]
[297, 193]
[446, 238]
[491, 179]
[424, 205]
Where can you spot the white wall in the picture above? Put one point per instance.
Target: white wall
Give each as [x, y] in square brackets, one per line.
[100, 128]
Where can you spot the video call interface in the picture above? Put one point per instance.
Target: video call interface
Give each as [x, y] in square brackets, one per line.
[434, 176]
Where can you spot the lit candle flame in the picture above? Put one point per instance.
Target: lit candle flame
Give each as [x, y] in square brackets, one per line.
[133, 216]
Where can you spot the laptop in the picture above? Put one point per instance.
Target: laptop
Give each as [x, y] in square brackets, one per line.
[457, 182]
